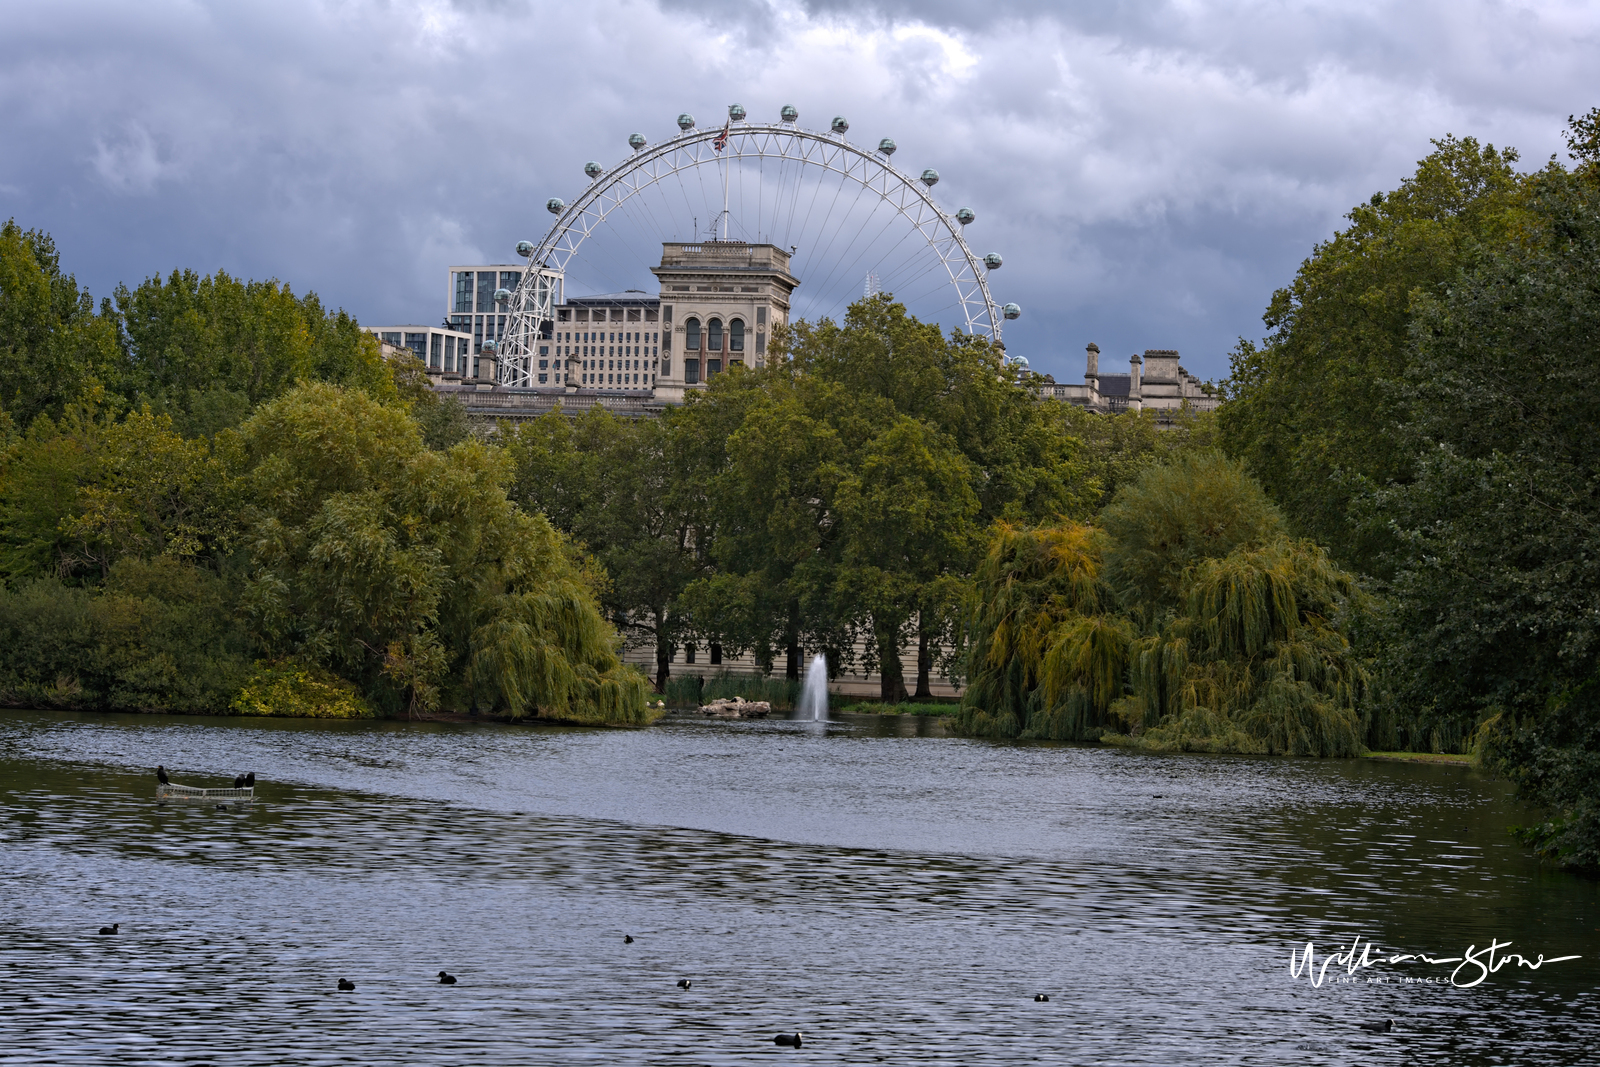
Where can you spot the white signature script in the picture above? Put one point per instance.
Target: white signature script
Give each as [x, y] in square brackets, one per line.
[1479, 963]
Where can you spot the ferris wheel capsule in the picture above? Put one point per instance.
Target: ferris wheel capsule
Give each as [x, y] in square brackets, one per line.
[1019, 362]
[525, 249]
[789, 113]
[1012, 312]
[502, 295]
[964, 215]
[489, 348]
[593, 169]
[840, 125]
[685, 122]
[887, 146]
[930, 177]
[993, 261]
[636, 141]
[736, 112]
[555, 205]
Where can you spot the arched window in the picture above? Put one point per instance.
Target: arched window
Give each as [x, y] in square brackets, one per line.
[736, 335]
[691, 334]
[714, 335]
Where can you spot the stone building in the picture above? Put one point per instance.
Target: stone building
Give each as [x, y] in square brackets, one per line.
[1154, 382]
[719, 301]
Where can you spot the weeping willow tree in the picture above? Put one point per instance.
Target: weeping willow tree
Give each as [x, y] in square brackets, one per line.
[1188, 621]
[410, 573]
[1039, 596]
[1258, 660]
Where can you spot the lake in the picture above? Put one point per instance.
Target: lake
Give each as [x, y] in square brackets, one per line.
[896, 895]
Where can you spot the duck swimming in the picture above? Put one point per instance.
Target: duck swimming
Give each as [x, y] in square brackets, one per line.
[684, 983]
[1040, 998]
[446, 979]
[627, 939]
[113, 928]
[788, 1040]
[345, 985]
[1383, 1027]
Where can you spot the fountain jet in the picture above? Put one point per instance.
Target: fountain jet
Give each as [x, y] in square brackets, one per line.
[813, 704]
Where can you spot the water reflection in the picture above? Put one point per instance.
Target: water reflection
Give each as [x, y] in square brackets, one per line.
[896, 898]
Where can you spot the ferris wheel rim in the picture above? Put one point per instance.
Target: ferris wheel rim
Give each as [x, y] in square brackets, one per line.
[739, 134]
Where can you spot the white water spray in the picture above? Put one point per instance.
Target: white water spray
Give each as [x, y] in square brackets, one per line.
[813, 704]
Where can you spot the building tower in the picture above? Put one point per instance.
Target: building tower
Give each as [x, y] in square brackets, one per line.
[719, 302]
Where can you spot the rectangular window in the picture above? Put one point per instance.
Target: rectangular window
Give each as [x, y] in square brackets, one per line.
[544, 364]
[716, 653]
[485, 291]
[418, 343]
[391, 339]
[666, 313]
[509, 280]
[436, 351]
[691, 371]
[761, 316]
[713, 366]
[463, 290]
[666, 367]
[542, 378]
[688, 653]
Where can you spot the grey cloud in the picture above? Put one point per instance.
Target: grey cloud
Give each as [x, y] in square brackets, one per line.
[1150, 171]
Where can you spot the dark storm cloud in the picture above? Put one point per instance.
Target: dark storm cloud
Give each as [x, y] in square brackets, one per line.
[1151, 171]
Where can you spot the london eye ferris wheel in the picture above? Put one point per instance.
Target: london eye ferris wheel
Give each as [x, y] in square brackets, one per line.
[844, 211]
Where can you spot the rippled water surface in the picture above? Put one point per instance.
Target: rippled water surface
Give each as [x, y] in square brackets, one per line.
[896, 898]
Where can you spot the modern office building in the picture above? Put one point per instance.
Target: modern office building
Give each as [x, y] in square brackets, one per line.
[445, 353]
[471, 307]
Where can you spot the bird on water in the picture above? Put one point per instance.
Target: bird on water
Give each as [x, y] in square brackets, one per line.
[1040, 998]
[112, 929]
[788, 1040]
[446, 979]
[161, 776]
[1382, 1027]
[684, 983]
[627, 939]
[345, 985]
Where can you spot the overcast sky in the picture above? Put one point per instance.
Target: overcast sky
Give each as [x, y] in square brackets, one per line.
[1151, 171]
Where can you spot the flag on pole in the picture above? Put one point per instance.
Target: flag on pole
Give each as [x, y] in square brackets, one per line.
[722, 138]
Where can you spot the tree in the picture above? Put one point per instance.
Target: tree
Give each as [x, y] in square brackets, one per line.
[1303, 405]
[631, 493]
[53, 344]
[410, 572]
[1496, 539]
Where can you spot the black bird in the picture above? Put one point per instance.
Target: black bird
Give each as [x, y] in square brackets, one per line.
[113, 928]
[1379, 1028]
[446, 979]
[789, 1040]
[627, 939]
[250, 779]
[345, 985]
[238, 781]
[161, 776]
[684, 983]
[1040, 998]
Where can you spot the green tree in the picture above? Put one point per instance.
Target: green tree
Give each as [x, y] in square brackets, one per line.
[206, 349]
[410, 571]
[53, 344]
[1302, 406]
[631, 493]
[1496, 540]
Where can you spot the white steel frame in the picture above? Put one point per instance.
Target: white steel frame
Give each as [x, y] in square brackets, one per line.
[535, 296]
